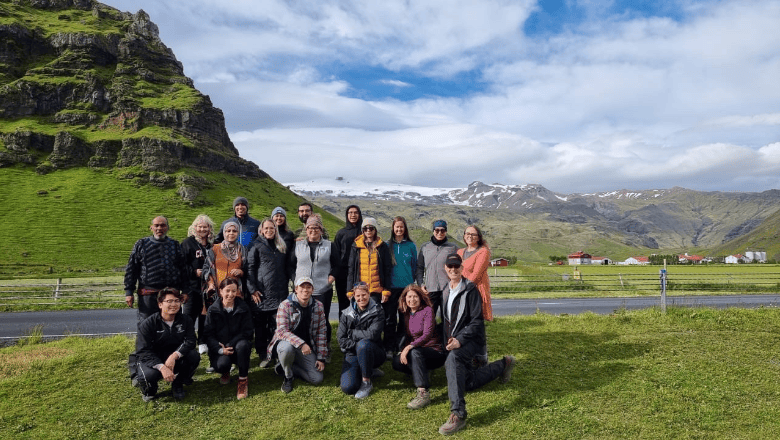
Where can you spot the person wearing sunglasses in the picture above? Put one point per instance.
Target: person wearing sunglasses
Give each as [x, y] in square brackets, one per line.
[370, 262]
[430, 274]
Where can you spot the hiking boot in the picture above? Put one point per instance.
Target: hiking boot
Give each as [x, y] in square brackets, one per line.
[287, 385]
[178, 392]
[376, 372]
[364, 390]
[422, 400]
[509, 365]
[148, 397]
[452, 425]
[243, 388]
[225, 379]
[148, 393]
[203, 348]
[210, 370]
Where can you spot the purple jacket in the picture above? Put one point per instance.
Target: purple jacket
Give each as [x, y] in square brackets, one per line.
[421, 329]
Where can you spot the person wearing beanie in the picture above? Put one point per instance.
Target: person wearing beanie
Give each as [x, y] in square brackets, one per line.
[345, 237]
[305, 210]
[279, 216]
[247, 226]
[430, 274]
[317, 258]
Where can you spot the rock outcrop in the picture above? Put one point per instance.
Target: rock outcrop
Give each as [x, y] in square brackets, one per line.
[83, 84]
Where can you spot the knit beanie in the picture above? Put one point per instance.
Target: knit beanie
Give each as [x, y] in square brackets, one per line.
[279, 210]
[240, 200]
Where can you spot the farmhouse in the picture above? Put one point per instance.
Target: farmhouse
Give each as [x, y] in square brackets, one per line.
[499, 262]
[579, 258]
[685, 258]
[636, 260]
[600, 260]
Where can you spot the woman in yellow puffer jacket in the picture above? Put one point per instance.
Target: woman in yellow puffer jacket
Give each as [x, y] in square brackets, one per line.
[370, 262]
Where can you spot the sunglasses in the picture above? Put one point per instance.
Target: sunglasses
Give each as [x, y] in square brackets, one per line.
[369, 228]
[453, 266]
[439, 230]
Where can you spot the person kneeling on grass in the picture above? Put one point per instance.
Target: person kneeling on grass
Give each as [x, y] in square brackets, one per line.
[360, 339]
[300, 339]
[228, 332]
[464, 338]
[165, 348]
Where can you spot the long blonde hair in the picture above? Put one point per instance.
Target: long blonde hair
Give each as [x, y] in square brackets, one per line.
[278, 242]
[202, 218]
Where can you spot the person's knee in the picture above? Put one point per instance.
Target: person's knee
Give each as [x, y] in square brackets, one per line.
[363, 345]
[316, 377]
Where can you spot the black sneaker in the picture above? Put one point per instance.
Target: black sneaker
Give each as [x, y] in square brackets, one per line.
[178, 392]
[287, 385]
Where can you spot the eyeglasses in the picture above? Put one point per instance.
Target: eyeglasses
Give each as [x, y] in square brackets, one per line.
[439, 231]
[360, 284]
[369, 228]
[172, 301]
[453, 266]
[471, 234]
[312, 228]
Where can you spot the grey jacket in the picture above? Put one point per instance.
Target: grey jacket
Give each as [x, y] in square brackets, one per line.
[430, 265]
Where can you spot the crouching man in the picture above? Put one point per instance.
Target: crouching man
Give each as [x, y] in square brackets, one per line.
[165, 348]
[464, 338]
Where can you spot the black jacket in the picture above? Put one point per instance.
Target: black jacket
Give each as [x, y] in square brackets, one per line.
[194, 256]
[465, 321]
[156, 341]
[344, 239]
[267, 273]
[222, 327]
[354, 326]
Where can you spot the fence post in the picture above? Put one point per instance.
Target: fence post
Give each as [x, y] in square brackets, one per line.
[57, 289]
[663, 288]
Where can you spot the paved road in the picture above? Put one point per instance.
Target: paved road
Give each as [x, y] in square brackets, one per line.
[123, 321]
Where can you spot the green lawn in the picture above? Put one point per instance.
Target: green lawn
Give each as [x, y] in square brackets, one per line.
[688, 374]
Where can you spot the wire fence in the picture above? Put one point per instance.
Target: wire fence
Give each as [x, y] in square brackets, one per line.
[99, 293]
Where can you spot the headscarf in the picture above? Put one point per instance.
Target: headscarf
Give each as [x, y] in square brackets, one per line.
[231, 251]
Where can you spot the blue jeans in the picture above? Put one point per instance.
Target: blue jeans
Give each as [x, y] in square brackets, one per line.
[356, 366]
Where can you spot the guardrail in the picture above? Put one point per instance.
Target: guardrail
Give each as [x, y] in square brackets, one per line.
[60, 293]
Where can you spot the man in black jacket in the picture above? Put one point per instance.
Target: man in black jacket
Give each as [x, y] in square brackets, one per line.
[464, 337]
[345, 237]
[164, 348]
[155, 262]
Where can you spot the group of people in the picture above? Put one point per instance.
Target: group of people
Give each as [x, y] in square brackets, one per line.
[419, 310]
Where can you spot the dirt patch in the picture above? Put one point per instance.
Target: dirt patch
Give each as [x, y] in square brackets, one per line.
[18, 362]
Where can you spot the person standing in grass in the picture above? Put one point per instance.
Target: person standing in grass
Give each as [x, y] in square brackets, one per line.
[344, 240]
[360, 339]
[155, 262]
[247, 226]
[476, 261]
[370, 262]
[200, 237]
[430, 274]
[464, 337]
[404, 255]
[422, 348]
[300, 341]
[267, 281]
[165, 348]
[229, 334]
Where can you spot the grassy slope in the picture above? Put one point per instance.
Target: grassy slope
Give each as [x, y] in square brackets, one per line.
[765, 237]
[88, 220]
[689, 374]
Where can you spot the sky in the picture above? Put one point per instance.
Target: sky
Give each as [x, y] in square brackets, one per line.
[575, 95]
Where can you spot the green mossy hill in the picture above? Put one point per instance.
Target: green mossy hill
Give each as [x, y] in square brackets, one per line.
[81, 221]
[83, 84]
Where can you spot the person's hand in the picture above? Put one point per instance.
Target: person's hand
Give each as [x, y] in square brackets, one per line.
[425, 289]
[385, 298]
[238, 273]
[305, 349]
[167, 374]
[452, 344]
[227, 351]
[257, 297]
[319, 365]
[199, 272]
[185, 298]
[129, 300]
[171, 361]
[331, 279]
[404, 353]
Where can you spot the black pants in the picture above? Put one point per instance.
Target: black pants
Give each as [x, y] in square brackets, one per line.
[391, 320]
[240, 357]
[193, 308]
[435, 297]
[341, 293]
[184, 369]
[265, 326]
[326, 298]
[147, 306]
[461, 376]
[421, 361]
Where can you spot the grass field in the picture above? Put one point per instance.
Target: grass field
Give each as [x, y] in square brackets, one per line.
[687, 374]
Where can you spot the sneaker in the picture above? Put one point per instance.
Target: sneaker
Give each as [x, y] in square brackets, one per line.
[389, 355]
[148, 393]
[265, 363]
[509, 365]
[210, 370]
[452, 425]
[328, 358]
[376, 372]
[422, 400]
[243, 388]
[225, 379]
[287, 385]
[365, 390]
[148, 397]
[203, 348]
[178, 392]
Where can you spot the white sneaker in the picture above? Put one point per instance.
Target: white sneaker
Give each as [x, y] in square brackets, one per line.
[203, 348]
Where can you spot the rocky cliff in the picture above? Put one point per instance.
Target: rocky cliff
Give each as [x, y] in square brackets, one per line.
[83, 84]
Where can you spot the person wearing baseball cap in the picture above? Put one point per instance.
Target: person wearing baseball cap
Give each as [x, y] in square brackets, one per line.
[300, 340]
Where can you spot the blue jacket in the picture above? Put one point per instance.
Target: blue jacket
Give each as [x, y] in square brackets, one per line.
[405, 254]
